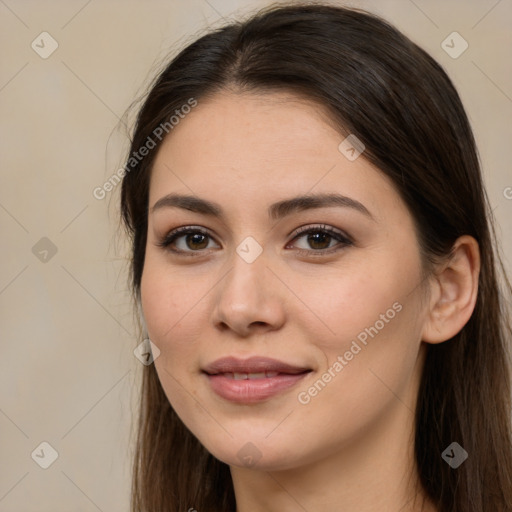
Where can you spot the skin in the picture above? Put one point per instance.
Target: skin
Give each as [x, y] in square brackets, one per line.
[351, 446]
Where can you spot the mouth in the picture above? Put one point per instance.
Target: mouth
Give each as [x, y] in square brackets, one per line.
[252, 380]
[248, 376]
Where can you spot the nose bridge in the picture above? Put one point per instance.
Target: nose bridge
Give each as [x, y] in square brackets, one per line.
[245, 295]
[245, 282]
[247, 261]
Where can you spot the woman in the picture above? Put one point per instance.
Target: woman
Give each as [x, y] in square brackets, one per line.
[313, 260]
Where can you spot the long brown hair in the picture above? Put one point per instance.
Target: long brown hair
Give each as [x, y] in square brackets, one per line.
[400, 103]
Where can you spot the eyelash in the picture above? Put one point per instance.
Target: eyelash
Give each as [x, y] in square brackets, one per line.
[344, 240]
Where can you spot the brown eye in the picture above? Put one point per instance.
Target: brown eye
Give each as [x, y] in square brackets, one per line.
[320, 240]
[196, 241]
[187, 240]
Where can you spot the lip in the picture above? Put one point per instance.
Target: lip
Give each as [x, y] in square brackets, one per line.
[252, 380]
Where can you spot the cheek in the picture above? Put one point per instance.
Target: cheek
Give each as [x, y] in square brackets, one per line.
[162, 300]
[377, 347]
[367, 363]
[159, 305]
[173, 308]
[370, 318]
[353, 302]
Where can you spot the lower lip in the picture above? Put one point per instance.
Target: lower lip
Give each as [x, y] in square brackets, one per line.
[248, 391]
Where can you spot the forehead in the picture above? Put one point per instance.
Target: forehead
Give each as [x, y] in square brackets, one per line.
[252, 126]
[248, 147]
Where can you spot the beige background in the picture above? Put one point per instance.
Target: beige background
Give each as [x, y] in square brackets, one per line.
[68, 375]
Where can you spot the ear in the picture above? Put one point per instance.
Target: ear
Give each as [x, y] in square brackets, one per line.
[453, 292]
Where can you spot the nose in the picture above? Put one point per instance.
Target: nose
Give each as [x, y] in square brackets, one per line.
[249, 299]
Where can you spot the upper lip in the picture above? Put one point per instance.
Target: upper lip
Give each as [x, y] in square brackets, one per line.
[255, 364]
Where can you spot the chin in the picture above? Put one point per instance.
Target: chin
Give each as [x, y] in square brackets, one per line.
[256, 452]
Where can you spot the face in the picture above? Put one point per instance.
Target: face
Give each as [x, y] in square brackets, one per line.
[286, 327]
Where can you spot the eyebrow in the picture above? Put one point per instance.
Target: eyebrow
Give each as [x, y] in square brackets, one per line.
[276, 210]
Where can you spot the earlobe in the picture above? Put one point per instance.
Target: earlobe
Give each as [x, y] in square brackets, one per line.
[454, 299]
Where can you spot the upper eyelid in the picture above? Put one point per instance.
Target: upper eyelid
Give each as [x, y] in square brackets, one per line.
[297, 231]
[323, 227]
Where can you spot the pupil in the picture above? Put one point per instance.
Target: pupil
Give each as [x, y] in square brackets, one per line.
[195, 240]
[319, 238]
